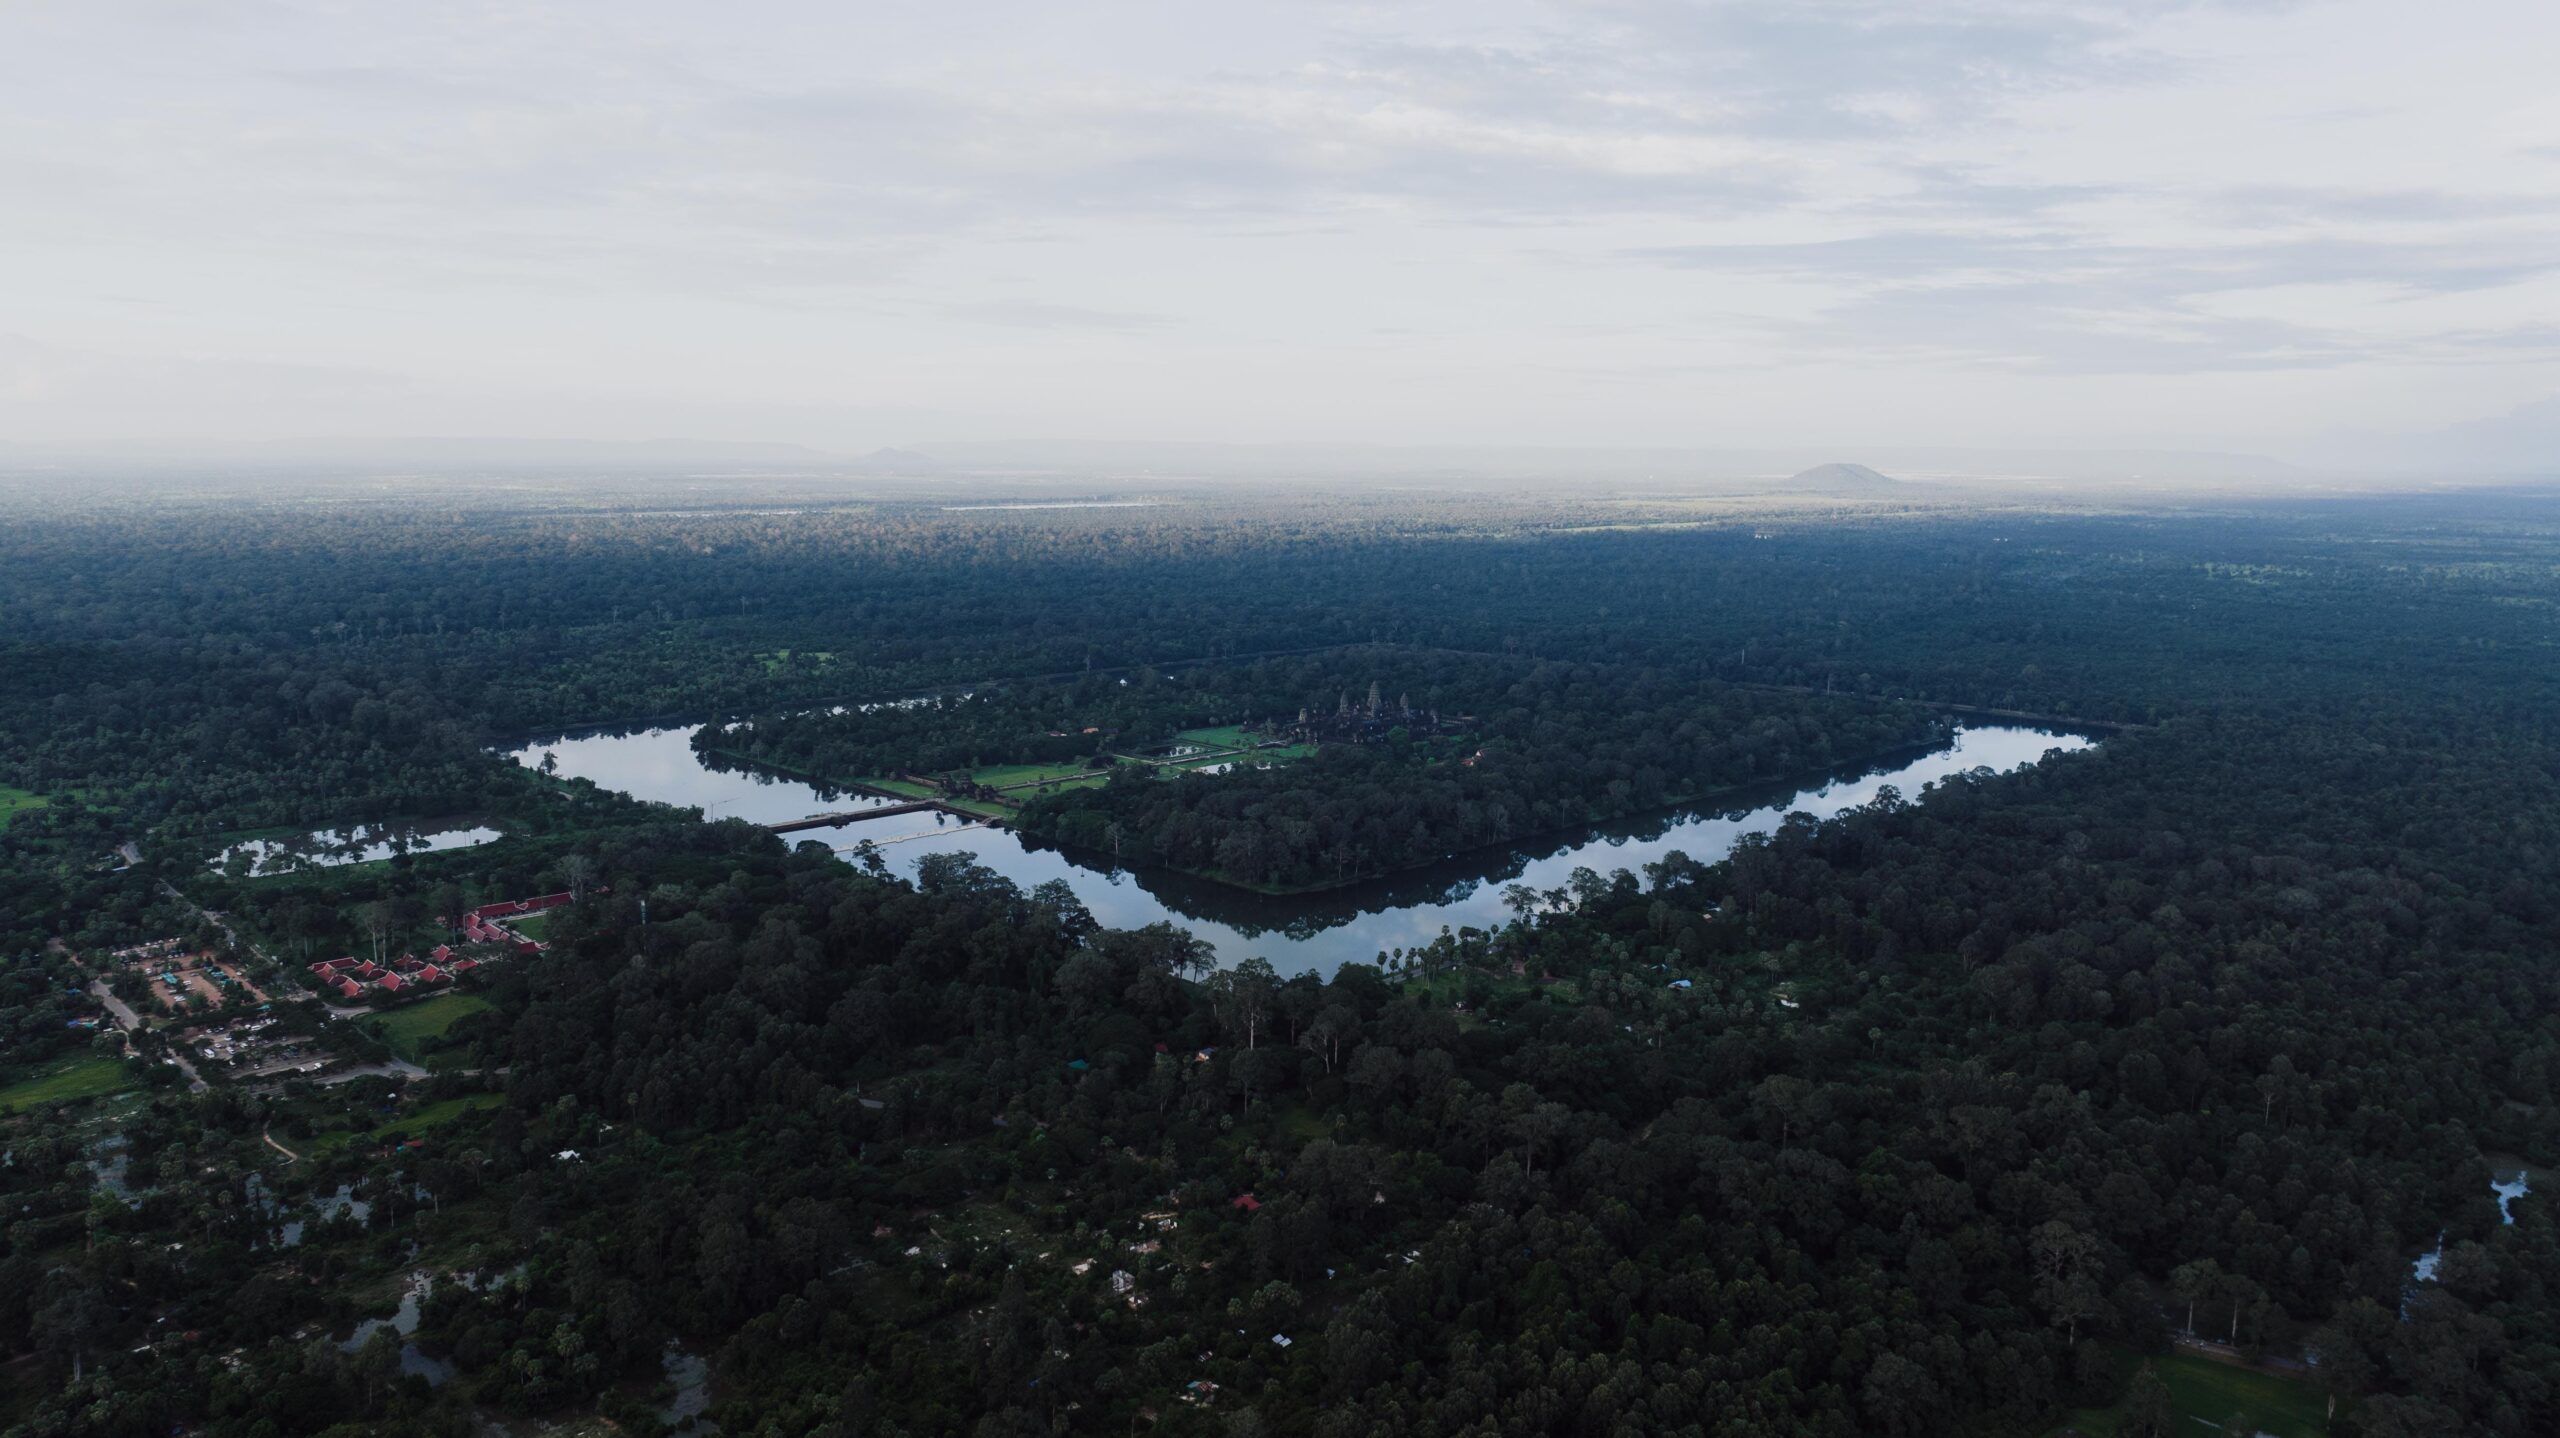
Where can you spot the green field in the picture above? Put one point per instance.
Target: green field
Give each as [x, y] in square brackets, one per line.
[409, 1030]
[1023, 782]
[73, 1078]
[997, 776]
[414, 1124]
[1281, 755]
[2214, 1393]
[14, 802]
[536, 927]
[1224, 736]
[442, 1112]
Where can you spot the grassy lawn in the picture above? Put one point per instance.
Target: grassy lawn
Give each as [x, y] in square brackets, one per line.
[997, 776]
[410, 1029]
[70, 1079]
[901, 786]
[414, 1124]
[1278, 756]
[1225, 736]
[437, 1114]
[2213, 1393]
[1300, 1123]
[1250, 757]
[14, 802]
[536, 927]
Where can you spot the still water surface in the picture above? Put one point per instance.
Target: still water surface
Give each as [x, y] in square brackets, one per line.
[328, 848]
[1295, 932]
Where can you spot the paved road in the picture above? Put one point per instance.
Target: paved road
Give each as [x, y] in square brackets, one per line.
[126, 1019]
[210, 917]
[280, 1066]
[400, 1069]
[286, 981]
[128, 1022]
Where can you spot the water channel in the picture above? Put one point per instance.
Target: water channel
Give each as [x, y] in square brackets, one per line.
[1295, 932]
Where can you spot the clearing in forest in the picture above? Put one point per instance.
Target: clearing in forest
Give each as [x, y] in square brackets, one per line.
[1223, 736]
[411, 1030]
[14, 802]
[1006, 776]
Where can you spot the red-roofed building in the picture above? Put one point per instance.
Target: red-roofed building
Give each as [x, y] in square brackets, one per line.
[349, 989]
[443, 954]
[464, 966]
[1247, 1202]
[392, 984]
[431, 975]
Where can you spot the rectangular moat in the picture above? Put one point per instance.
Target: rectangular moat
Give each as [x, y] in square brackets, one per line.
[1297, 932]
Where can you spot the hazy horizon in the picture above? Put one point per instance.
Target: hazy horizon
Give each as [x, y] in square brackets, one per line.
[2316, 233]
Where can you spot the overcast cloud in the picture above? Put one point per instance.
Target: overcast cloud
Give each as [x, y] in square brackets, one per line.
[2247, 224]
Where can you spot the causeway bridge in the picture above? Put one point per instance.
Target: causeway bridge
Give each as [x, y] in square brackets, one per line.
[855, 816]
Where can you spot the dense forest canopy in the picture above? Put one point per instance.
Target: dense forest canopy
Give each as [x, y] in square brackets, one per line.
[1473, 750]
[1954, 1115]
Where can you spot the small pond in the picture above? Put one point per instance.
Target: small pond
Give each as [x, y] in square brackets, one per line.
[403, 1322]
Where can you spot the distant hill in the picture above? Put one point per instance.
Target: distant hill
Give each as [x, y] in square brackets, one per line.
[1930, 469]
[894, 461]
[2523, 443]
[1840, 479]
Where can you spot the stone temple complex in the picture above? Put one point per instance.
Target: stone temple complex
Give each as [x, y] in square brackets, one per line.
[1368, 723]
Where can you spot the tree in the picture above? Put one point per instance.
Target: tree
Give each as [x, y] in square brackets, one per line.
[2246, 1296]
[1333, 1026]
[1245, 996]
[2068, 1265]
[2195, 1283]
[377, 923]
[2147, 1411]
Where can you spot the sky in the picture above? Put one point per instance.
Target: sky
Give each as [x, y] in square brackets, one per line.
[2288, 228]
